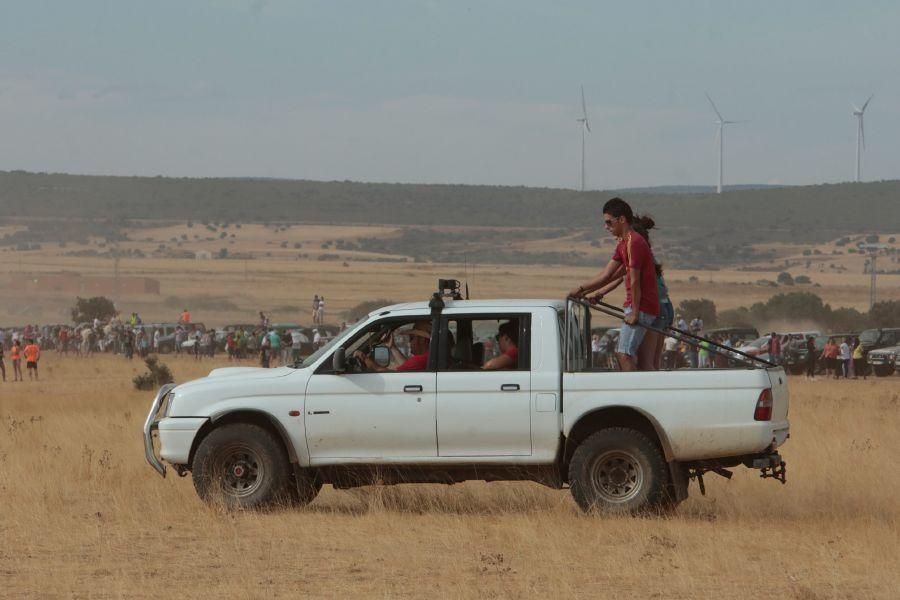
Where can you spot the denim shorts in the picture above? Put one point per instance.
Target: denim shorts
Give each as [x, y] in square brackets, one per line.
[631, 336]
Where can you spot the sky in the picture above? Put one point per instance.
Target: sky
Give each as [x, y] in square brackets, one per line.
[471, 92]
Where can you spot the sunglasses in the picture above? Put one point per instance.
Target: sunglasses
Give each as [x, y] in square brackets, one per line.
[609, 222]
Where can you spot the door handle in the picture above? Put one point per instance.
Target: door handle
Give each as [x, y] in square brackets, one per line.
[412, 388]
[509, 387]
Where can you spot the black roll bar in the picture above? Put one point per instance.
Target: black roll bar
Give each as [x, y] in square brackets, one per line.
[683, 336]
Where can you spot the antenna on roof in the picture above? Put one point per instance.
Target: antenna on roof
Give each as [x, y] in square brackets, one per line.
[466, 259]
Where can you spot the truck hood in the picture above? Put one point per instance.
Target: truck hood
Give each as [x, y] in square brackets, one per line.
[240, 385]
[249, 372]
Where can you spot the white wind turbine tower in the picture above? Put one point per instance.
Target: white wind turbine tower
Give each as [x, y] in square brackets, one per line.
[721, 135]
[585, 128]
[860, 134]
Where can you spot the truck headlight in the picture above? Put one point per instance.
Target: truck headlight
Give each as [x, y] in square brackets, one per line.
[167, 404]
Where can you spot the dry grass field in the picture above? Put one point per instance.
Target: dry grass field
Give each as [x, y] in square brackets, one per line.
[82, 515]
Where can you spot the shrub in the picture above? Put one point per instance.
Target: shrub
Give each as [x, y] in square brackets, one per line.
[702, 307]
[157, 374]
[364, 308]
[784, 278]
[88, 309]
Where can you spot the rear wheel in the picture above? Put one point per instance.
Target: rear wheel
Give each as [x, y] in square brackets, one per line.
[619, 470]
[244, 466]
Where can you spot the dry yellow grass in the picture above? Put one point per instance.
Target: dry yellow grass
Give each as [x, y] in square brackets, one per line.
[83, 515]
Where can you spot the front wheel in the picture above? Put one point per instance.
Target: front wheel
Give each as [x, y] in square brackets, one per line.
[884, 371]
[619, 470]
[244, 466]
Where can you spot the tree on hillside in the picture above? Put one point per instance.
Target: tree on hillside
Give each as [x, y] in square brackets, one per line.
[885, 314]
[784, 278]
[795, 305]
[702, 307]
[88, 309]
[736, 317]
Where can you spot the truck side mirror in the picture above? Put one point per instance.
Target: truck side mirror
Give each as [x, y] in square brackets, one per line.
[381, 355]
[339, 361]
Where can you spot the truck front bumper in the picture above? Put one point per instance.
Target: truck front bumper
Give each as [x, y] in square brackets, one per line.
[151, 424]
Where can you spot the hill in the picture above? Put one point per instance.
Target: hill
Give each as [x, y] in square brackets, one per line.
[703, 224]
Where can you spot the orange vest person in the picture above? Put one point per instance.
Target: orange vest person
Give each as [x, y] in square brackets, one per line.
[185, 316]
[16, 361]
[32, 356]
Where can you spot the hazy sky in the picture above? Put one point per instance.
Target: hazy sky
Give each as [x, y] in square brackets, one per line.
[448, 91]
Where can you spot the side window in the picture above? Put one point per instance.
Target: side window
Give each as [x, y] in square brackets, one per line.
[408, 339]
[485, 342]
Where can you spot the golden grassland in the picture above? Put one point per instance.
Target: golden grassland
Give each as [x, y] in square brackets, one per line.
[83, 515]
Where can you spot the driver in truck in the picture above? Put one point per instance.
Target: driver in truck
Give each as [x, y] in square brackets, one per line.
[419, 340]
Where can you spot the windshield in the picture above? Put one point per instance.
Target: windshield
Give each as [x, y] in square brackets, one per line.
[869, 336]
[312, 358]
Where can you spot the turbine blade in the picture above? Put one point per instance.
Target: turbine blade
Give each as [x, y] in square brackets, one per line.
[863, 109]
[583, 105]
[713, 104]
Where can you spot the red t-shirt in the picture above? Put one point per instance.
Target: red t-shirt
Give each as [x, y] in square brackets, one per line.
[416, 362]
[513, 353]
[634, 253]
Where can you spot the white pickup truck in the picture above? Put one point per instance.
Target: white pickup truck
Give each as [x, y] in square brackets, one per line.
[621, 442]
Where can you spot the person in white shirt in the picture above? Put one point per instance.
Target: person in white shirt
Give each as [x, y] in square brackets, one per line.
[670, 354]
[317, 338]
[844, 356]
[682, 324]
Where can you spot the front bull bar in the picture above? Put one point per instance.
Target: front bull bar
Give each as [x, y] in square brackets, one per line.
[150, 425]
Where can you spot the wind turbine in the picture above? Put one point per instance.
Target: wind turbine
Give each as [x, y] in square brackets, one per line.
[721, 136]
[860, 133]
[585, 128]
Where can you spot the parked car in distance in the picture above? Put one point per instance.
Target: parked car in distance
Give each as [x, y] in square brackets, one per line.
[760, 346]
[875, 339]
[743, 334]
[883, 361]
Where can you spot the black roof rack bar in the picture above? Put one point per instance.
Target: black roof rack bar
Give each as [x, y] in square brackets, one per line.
[615, 311]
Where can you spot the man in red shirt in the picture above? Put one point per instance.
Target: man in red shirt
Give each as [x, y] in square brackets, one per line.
[419, 341]
[641, 305]
[508, 339]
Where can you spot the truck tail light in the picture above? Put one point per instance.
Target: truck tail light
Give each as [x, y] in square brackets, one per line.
[763, 410]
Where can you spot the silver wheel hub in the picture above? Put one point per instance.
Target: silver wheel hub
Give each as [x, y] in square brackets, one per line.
[242, 471]
[616, 476]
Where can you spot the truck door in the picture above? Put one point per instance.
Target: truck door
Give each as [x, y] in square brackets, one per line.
[365, 414]
[484, 412]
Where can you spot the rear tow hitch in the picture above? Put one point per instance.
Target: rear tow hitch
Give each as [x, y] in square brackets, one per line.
[771, 466]
[698, 474]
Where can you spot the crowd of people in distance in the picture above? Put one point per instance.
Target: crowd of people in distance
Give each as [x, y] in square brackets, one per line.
[846, 359]
[130, 337]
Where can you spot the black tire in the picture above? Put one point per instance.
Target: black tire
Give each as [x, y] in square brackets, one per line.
[619, 471]
[243, 465]
[884, 371]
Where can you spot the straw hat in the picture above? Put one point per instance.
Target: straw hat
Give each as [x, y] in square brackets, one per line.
[419, 329]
